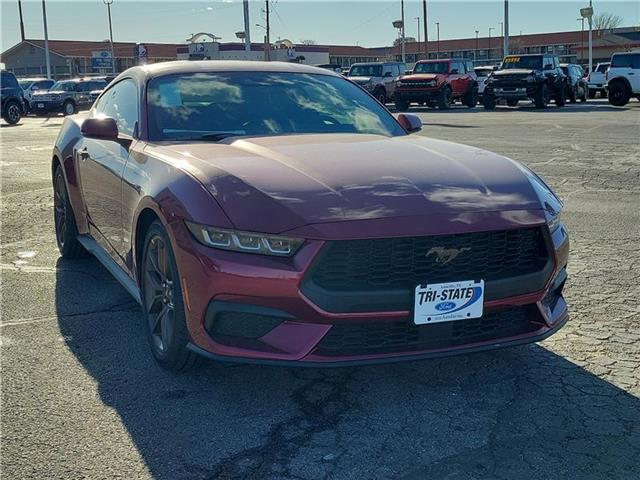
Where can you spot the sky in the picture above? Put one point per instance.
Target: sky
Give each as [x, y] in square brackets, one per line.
[365, 22]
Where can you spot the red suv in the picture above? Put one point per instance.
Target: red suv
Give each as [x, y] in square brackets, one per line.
[437, 82]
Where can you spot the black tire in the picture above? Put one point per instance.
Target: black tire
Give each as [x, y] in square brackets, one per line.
[471, 97]
[69, 108]
[12, 112]
[64, 220]
[572, 95]
[380, 95]
[541, 99]
[401, 105]
[489, 102]
[561, 96]
[619, 93]
[163, 304]
[592, 93]
[512, 102]
[445, 98]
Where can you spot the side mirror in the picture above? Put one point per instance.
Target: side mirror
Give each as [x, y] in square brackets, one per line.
[548, 66]
[104, 128]
[409, 72]
[454, 71]
[411, 123]
[387, 74]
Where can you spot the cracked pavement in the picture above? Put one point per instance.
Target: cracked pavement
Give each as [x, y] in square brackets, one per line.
[82, 397]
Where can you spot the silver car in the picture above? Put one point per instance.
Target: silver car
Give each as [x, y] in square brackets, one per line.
[377, 78]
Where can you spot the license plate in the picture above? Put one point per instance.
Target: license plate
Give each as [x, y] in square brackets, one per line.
[447, 302]
[41, 105]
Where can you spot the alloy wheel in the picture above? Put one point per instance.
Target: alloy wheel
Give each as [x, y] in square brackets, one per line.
[13, 113]
[158, 296]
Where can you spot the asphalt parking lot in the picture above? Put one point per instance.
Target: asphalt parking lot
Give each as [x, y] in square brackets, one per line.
[82, 397]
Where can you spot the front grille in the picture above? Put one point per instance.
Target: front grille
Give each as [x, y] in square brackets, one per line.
[393, 337]
[381, 274]
[406, 262]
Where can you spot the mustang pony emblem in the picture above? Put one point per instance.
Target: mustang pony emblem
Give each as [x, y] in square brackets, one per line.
[445, 255]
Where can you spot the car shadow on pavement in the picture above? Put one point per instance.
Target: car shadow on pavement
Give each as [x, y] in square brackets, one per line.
[524, 412]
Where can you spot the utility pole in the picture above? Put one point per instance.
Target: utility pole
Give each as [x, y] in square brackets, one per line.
[21, 22]
[268, 37]
[247, 29]
[590, 37]
[46, 40]
[402, 30]
[417, 19]
[113, 57]
[438, 39]
[502, 35]
[426, 30]
[505, 44]
[489, 49]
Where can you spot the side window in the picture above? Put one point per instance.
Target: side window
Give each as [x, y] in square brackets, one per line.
[403, 68]
[120, 102]
[8, 80]
[621, 61]
[395, 71]
[635, 61]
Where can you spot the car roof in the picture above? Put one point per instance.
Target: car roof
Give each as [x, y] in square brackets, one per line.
[436, 60]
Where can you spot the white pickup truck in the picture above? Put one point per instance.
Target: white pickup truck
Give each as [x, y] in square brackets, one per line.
[597, 81]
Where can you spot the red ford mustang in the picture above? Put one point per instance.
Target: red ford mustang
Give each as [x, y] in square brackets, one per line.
[277, 213]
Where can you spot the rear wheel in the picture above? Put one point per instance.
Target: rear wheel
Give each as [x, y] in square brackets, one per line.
[445, 99]
[401, 105]
[471, 97]
[541, 99]
[489, 101]
[512, 102]
[163, 304]
[64, 219]
[12, 112]
[572, 95]
[619, 94]
[561, 96]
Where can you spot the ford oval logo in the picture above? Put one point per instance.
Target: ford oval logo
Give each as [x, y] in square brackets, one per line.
[445, 306]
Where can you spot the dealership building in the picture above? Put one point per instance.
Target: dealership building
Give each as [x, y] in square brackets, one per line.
[70, 58]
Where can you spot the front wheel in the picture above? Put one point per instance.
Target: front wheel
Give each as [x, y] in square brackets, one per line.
[489, 101]
[541, 99]
[69, 108]
[12, 113]
[561, 96]
[380, 95]
[401, 105]
[445, 98]
[619, 94]
[163, 304]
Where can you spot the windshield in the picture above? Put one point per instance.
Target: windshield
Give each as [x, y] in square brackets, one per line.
[431, 67]
[528, 63]
[365, 71]
[211, 106]
[63, 86]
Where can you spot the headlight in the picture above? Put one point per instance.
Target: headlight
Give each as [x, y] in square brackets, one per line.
[555, 222]
[529, 78]
[431, 83]
[246, 242]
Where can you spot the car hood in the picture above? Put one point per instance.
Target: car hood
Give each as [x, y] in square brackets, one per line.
[513, 71]
[275, 184]
[420, 77]
[360, 80]
[48, 92]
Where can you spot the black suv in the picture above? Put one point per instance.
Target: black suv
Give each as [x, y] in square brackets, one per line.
[66, 96]
[13, 107]
[521, 77]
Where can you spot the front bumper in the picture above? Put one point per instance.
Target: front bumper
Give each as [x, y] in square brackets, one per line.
[509, 92]
[430, 94]
[42, 107]
[251, 309]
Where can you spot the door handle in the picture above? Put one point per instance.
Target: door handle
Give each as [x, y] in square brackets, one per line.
[84, 154]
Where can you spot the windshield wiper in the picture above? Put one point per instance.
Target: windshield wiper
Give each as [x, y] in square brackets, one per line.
[217, 136]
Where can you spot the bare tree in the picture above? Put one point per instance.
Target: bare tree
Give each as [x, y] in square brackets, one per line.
[606, 21]
[308, 42]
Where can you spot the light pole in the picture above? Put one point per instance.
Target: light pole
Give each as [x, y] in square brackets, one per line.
[267, 47]
[489, 49]
[417, 19]
[402, 30]
[502, 33]
[21, 22]
[581, 40]
[426, 30]
[247, 29]
[475, 54]
[505, 37]
[438, 39]
[587, 13]
[46, 40]
[113, 57]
